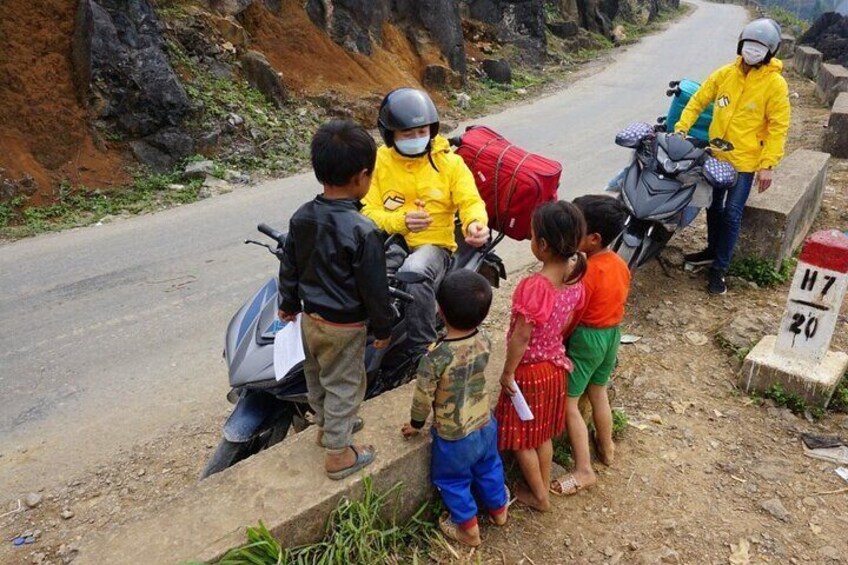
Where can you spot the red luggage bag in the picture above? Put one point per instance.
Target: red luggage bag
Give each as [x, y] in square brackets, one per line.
[511, 181]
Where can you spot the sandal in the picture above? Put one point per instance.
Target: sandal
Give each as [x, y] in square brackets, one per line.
[363, 459]
[358, 424]
[451, 530]
[568, 486]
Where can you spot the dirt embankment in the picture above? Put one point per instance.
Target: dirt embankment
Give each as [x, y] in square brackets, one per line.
[44, 130]
[705, 472]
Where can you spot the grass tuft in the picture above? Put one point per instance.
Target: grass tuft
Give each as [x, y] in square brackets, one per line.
[357, 532]
[761, 271]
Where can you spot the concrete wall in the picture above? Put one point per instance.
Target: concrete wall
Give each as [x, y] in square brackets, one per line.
[832, 80]
[775, 222]
[836, 137]
[807, 61]
[285, 487]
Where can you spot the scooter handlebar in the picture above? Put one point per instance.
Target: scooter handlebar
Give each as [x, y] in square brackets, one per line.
[271, 232]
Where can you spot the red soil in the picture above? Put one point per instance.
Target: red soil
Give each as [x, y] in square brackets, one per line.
[43, 127]
[312, 63]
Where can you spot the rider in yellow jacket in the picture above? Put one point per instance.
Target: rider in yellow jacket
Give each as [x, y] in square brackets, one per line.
[418, 186]
[439, 186]
[751, 111]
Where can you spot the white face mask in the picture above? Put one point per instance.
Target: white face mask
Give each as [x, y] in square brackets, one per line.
[754, 53]
[412, 147]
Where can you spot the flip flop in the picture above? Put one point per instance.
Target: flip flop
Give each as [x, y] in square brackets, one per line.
[451, 530]
[568, 486]
[358, 424]
[363, 459]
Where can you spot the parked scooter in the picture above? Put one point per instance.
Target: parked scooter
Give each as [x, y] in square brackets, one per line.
[267, 407]
[668, 174]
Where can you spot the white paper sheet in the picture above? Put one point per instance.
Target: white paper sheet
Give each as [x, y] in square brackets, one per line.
[518, 400]
[288, 348]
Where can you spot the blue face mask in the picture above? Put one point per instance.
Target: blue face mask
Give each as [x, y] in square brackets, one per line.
[412, 147]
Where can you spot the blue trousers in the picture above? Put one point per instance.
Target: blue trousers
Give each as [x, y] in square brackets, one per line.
[724, 218]
[469, 464]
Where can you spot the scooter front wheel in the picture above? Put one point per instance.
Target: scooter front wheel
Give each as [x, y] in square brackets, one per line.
[227, 454]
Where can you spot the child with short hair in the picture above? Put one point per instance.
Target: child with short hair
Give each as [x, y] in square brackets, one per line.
[334, 271]
[594, 344]
[452, 382]
[543, 307]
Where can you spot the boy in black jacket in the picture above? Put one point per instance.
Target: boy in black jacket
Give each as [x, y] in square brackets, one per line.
[334, 271]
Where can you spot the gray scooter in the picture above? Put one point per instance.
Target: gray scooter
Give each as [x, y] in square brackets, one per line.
[267, 408]
[668, 179]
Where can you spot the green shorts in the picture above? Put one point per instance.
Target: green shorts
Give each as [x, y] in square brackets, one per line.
[593, 352]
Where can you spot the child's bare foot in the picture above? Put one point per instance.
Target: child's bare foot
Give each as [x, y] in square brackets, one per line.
[606, 454]
[604, 450]
[525, 496]
[469, 536]
[500, 518]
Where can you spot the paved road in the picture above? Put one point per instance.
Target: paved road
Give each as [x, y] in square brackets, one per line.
[110, 335]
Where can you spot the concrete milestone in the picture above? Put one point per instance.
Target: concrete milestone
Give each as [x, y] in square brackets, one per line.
[799, 357]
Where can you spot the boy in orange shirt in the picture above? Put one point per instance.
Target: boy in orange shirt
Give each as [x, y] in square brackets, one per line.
[594, 344]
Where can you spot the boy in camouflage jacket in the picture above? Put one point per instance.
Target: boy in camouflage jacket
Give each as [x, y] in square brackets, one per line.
[452, 383]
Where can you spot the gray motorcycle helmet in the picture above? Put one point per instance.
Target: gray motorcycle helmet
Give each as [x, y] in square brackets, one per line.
[406, 108]
[765, 31]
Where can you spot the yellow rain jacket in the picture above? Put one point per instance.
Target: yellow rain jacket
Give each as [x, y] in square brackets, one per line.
[399, 181]
[751, 112]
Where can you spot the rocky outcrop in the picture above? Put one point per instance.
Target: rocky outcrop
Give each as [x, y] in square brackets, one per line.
[518, 22]
[829, 34]
[121, 67]
[357, 25]
[263, 77]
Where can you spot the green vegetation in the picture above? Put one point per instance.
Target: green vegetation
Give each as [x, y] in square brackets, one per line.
[356, 532]
[562, 447]
[276, 141]
[793, 402]
[78, 206]
[839, 402]
[761, 271]
[787, 19]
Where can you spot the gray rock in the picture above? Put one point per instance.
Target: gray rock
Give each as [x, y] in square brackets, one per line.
[151, 157]
[120, 64]
[463, 100]
[517, 22]
[263, 77]
[498, 70]
[67, 514]
[664, 554]
[775, 507]
[173, 142]
[230, 7]
[437, 76]
[564, 30]
[32, 500]
[199, 169]
[831, 553]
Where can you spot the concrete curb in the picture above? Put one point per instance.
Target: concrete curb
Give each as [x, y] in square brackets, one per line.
[776, 222]
[285, 487]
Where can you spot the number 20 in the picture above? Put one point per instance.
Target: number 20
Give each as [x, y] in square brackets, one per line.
[809, 329]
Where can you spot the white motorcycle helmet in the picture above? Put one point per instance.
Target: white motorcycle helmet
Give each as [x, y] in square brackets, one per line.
[764, 31]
